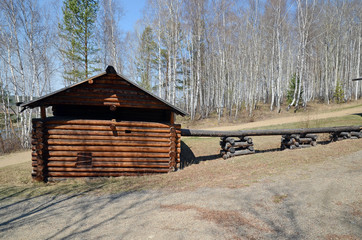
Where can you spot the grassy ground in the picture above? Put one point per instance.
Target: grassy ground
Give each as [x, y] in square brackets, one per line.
[203, 166]
[263, 112]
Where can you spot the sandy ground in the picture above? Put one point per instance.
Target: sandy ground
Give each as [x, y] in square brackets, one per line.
[15, 158]
[292, 119]
[322, 201]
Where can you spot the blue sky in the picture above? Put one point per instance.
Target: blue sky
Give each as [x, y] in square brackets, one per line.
[132, 12]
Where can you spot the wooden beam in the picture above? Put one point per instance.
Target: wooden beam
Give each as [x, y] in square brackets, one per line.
[172, 118]
[206, 133]
[43, 112]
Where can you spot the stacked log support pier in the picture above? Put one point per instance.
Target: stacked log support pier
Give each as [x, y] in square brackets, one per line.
[231, 147]
[338, 136]
[294, 141]
[39, 152]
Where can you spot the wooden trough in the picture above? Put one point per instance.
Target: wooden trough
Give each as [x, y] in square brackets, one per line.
[104, 126]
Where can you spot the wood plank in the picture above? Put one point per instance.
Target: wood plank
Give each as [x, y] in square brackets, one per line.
[90, 103]
[192, 132]
[111, 138]
[107, 128]
[110, 148]
[106, 133]
[111, 154]
[100, 174]
[96, 165]
[110, 159]
[119, 99]
[106, 123]
[107, 143]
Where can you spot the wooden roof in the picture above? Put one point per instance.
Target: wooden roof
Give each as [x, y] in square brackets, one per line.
[149, 100]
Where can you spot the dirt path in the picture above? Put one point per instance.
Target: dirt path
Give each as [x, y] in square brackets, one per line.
[322, 201]
[15, 158]
[292, 119]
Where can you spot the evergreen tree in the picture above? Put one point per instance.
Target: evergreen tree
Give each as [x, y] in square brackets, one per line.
[294, 81]
[77, 34]
[147, 58]
[339, 93]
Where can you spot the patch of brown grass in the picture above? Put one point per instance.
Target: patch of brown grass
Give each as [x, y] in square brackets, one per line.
[340, 237]
[279, 198]
[230, 220]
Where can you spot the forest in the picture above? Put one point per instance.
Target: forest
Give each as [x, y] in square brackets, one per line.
[205, 56]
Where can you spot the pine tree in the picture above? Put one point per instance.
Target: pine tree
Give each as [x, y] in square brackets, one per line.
[77, 33]
[294, 81]
[339, 93]
[147, 58]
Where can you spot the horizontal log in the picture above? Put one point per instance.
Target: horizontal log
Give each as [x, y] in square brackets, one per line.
[345, 134]
[119, 101]
[56, 175]
[111, 164]
[313, 136]
[52, 170]
[246, 139]
[109, 148]
[305, 140]
[68, 121]
[238, 144]
[305, 146]
[107, 128]
[117, 104]
[111, 154]
[108, 143]
[356, 134]
[108, 159]
[207, 133]
[238, 153]
[108, 138]
[103, 95]
[106, 133]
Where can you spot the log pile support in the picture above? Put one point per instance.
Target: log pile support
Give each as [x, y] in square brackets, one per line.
[338, 136]
[40, 149]
[294, 141]
[173, 150]
[231, 147]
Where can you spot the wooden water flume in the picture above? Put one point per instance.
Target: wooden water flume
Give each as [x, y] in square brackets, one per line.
[291, 138]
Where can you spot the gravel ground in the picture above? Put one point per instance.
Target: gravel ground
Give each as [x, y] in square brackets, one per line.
[321, 201]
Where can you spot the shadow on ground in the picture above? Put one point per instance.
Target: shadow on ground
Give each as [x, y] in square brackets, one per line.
[188, 158]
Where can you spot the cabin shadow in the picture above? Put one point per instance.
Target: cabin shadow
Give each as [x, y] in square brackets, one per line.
[188, 158]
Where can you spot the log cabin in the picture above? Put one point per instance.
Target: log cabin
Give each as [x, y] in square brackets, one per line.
[101, 127]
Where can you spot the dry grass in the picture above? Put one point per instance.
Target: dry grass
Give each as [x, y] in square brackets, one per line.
[231, 221]
[341, 237]
[263, 113]
[279, 198]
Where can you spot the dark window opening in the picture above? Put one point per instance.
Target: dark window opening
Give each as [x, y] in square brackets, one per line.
[84, 160]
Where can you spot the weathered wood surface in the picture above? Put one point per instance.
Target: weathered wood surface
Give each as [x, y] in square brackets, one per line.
[231, 147]
[106, 91]
[208, 133]
[114, 148]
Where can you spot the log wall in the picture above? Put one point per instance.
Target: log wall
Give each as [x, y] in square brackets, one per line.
[92, 148]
